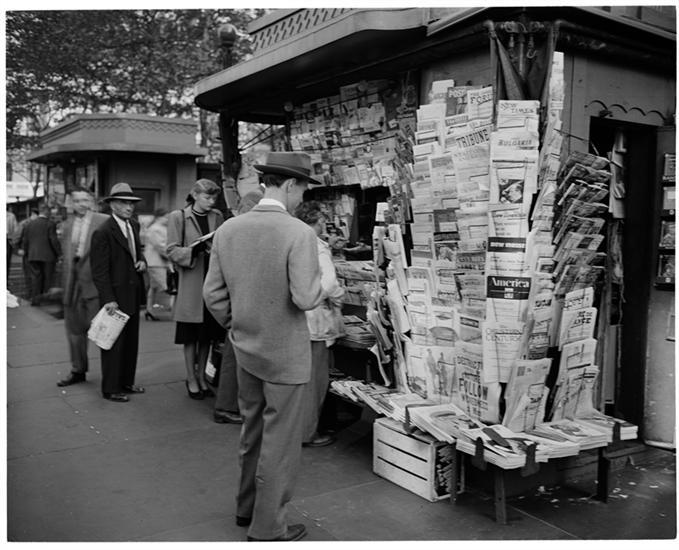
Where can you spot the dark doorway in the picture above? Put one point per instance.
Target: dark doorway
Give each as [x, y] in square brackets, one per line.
[636, 229]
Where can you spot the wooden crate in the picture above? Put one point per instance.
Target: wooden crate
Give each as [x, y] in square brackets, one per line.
[417, 463]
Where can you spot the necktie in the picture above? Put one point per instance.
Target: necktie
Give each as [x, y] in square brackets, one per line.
[130, 242]
[75, 240]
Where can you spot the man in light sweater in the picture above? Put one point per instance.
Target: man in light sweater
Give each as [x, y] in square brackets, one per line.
[263, 275]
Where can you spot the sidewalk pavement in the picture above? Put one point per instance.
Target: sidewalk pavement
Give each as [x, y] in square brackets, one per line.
[80, 468]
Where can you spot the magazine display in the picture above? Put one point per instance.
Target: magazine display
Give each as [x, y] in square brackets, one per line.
[526, 394]
[487, 259]
[581, 201]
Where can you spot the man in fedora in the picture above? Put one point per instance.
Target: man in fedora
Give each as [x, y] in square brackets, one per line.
[263, 275]
[117, 266]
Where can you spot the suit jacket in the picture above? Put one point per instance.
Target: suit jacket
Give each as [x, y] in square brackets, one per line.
[113, 269]
[263, 275]
[77, 280]
[40, 240]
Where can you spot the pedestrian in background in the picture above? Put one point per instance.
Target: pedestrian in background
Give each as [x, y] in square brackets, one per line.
[155, 244]
[117, 267]
[325, 326]
[20, 246]
[81, 300]
[196, 328]
[12, 227]
[226, 404]
[263, 275]
[42, 249]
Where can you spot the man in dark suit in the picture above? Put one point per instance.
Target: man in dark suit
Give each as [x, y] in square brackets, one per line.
[81, 301]
[19, 244]
[117, 266]
[42, 250]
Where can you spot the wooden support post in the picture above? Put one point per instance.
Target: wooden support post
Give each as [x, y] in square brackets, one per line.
[602, 475]
[499, 496]
[453, 475]
[230, 165]
[604, 466]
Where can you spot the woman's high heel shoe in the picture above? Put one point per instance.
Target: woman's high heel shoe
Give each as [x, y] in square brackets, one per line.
[149, 316]
[194, 394]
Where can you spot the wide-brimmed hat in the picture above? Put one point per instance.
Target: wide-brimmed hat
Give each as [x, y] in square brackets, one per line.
[296, 165]
[123, 192]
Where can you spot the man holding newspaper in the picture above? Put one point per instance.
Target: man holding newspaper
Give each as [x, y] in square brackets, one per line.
[117, 266]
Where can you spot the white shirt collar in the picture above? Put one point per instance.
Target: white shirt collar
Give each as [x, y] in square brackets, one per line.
[121, 223]
[272, 202]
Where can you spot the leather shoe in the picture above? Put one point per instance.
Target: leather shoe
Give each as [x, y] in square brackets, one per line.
[242, 521]
[73, 378]
[319, 441]
[194, 394]
[294, 532]
[119, 397]
[226, 417]
[134, 389]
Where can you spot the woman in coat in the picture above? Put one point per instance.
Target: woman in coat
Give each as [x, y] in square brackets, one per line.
[196, 328]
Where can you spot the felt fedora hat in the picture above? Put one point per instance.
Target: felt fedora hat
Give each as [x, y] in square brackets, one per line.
[121, 191]
[295, 165]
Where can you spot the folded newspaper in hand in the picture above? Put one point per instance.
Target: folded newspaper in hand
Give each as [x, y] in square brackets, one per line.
[206, 237]
[106, 327]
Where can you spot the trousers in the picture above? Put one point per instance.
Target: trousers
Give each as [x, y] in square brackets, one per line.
[227, 390]
[316, 389]
[269, 452]
[77, 319]
[119, 364]
[42, 274]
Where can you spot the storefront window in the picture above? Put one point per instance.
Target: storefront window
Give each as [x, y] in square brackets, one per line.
[149, 200]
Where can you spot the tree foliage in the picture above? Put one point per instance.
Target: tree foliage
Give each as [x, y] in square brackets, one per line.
[60, 63]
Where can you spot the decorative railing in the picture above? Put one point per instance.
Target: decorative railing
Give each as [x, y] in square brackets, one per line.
[292, 25]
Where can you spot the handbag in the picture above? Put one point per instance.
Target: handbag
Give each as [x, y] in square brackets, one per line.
[171, 273]
[171, 281]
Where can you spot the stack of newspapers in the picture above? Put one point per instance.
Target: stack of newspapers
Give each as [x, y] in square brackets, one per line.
[501, 446]
[409, 401]
[604, 424]
[573, 431]
[445, 422]
[357, 333]
[345, 388]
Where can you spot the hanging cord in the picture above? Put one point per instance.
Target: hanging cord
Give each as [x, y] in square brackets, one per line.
[349, 145]
[250, 143]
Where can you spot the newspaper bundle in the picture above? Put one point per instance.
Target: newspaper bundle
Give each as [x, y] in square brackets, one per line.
[106, 327]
